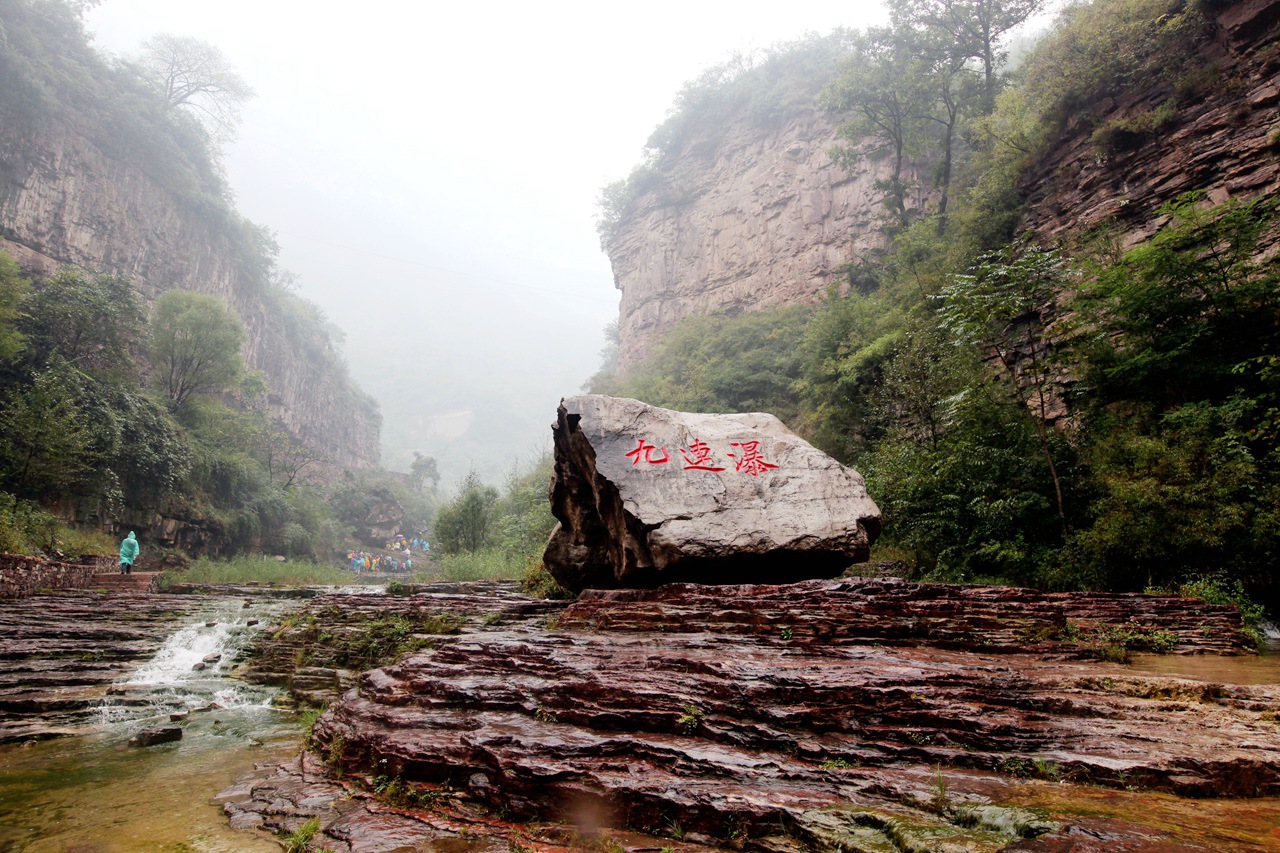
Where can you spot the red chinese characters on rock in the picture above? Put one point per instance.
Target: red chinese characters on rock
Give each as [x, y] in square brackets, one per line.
[699, 456]
[752, 460]
[644, 450]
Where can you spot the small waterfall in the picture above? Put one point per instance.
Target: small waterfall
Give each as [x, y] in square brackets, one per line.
[190, 671]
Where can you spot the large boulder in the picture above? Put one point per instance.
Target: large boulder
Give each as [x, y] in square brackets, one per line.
[647, 496]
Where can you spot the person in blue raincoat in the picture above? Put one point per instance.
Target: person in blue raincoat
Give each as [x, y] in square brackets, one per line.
[128, 553]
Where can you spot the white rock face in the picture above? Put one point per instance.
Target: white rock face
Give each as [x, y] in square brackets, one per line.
[746, 217]
[647, 496]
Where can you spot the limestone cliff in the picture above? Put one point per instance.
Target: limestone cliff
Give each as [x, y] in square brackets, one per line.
[88, 178]
[743, 216]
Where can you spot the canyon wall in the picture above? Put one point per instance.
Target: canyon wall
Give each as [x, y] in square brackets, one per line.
[1223, 138]
[67, 199]
[94, 174]
[744, 216]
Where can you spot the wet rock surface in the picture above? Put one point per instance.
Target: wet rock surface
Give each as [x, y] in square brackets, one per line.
[647, 496]
[152, 735]
[61, 652]
[318, 651]
[820, 716]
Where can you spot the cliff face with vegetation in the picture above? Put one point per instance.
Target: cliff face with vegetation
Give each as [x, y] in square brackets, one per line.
[86, 181]
[1216, 129]
[1072, 378]
[745, 217]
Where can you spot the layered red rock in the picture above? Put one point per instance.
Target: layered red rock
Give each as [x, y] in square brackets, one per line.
[647, 496]
[60, 654]
[810, 717]
[1219, 140]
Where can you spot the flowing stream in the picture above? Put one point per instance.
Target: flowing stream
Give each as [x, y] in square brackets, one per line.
[93, 793]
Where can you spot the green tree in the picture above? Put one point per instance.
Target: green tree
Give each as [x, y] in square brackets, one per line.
[1004, 306]
[878, 95]
[47, 440]
[93, 321]
[972, 506]
[466, 522]
[195, 346]
[151, 455]
[423, 470]
[524, 520]
[744, 363]
[977, 30]
[1196, 312]
[13, 290]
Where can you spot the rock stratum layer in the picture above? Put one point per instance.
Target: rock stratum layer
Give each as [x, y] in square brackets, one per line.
[646, 496]
[829, 715]
[1220, 139]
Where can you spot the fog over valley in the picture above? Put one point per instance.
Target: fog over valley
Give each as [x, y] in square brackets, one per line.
[431, 176]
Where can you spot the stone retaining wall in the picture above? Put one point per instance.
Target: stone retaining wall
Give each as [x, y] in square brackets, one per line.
[22, 576]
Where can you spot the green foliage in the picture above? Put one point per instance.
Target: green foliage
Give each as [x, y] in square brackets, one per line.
[24, 528]
[13, 291]
[483, 564]
[1220, 589]
[539, 583]
[690, 720]
[744, 363]
[48, 442]
[1101, 49]
[1194, 307]
[880, 96]
[92, 321]
[1123, 134]
[385, 640]
[465, 524]
[195, 345]
[257, 569]
[398, 793]
[299, 840]
[976, 505]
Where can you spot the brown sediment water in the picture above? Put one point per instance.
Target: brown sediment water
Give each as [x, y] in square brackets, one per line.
[1224, 826]
[1262, 668]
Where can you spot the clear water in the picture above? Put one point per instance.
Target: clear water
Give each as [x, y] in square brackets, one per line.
[93, 793]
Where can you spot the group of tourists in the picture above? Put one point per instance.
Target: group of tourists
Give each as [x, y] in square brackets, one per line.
[417, 543]
[363, 562]
[399, 560]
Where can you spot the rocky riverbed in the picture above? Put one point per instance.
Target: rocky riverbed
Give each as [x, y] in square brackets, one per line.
[829, 715]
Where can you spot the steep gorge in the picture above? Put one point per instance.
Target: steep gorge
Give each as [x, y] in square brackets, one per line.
[744, 217]
[89, 179]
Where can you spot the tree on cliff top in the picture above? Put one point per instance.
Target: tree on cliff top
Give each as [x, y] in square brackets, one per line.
[193, 74]
[195, 345]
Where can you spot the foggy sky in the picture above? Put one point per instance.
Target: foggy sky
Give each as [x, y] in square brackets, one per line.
[431, 173]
